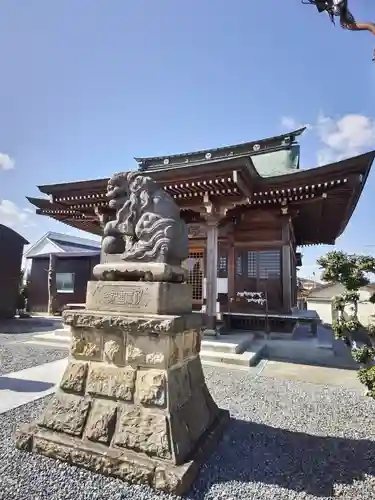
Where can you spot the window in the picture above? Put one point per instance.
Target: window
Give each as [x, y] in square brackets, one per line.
[258, 264]
[65, 282]
[269, 263]
[195, 266]
[222, 263]
[239, 265]
[252, 264]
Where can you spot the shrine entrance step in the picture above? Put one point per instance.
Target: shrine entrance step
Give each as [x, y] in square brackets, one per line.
[59, 338]
[229, 360]
[239, 350]
[237, 343]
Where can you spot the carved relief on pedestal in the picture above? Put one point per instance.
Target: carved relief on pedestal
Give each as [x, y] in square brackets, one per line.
[112, 382]
[86, 344]
[151, 388]
[111, 351]
[101, 423]
[74, 378]
[139, 430]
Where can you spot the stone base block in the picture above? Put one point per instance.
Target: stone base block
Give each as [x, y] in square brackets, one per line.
[158, 341]
[139, 271]
[132, 402]
[165, 324]
[126, 464]
[137, 297]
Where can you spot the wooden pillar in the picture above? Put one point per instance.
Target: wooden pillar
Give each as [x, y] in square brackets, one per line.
[286, 266]
[211, 274]
[231, 269]
[212, 214]
[294, 277]
[52, 285]
[286, 277]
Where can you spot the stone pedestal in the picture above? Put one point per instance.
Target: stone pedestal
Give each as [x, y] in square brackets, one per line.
[133, 402]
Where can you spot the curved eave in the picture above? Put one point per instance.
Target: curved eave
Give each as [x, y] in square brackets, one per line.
[294, 133]
[39, 203]
[367, 160]
[360, 164]
[318, 222]
[324, 220]
[92, 191]
[90, 225]
[93, 185]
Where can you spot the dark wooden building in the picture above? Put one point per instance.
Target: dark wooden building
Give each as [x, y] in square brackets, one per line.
[11, 250]
[73, 271]
[74, 259]
[249, 208]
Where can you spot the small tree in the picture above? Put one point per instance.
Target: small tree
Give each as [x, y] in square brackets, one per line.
[352, 272]
[22, 278]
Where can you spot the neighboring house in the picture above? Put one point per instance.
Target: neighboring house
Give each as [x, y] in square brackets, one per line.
[307, 284]
[11, 250]
[304, 288]
[75, 260]
[320, 300]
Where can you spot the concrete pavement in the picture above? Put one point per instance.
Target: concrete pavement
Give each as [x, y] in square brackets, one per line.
[25, 386]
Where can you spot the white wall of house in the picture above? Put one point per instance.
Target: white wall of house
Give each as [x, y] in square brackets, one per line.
[321, 302]
[42, 248]
[323, 309]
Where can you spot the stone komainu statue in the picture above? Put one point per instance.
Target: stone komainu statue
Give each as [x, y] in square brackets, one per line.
[148, 226]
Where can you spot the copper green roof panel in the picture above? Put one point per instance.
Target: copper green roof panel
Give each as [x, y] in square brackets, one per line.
[284, 161]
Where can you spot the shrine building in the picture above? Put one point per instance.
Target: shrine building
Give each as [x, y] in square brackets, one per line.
[249, 210]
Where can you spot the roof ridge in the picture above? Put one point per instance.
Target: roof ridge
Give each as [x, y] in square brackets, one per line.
[297, 132]
[67, 238]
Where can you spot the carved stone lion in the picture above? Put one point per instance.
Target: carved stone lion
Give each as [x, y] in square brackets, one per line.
[148, 226]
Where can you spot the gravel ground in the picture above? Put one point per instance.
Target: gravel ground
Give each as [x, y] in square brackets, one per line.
[18, 356]
[29, 325]
[6, 338]
[287, 440]
[16, 331]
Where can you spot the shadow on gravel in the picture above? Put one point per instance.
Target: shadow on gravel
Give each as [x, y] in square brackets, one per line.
[29, 325]
[256, 453]
[22, 385]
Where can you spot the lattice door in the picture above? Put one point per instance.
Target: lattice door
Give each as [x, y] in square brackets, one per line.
[195, 266]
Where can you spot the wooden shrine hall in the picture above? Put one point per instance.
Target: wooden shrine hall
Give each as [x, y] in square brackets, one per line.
[249, 208]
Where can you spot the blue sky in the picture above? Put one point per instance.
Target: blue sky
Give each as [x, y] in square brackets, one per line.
[88, 85]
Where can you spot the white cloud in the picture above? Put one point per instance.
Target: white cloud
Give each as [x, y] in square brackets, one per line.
[13, 216]
[6, 162]
[340, 137]
[347, 136]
